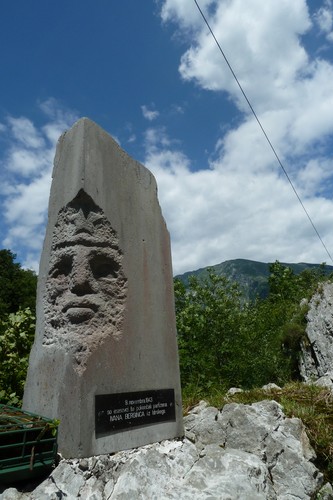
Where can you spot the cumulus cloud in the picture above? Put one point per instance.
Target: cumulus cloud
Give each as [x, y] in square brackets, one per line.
[27, 167]
[241, 204]
[239, 209]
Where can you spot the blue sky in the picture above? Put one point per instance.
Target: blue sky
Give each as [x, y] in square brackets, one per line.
[151, 75]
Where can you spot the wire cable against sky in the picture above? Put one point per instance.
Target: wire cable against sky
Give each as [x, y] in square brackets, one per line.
[263, 130]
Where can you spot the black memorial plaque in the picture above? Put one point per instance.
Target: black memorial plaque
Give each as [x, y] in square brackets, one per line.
[114, 412]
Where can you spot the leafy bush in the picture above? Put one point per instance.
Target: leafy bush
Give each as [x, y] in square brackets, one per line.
[208, 316]
[16, 337]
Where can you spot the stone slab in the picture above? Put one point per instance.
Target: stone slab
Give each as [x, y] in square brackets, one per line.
[105, 303]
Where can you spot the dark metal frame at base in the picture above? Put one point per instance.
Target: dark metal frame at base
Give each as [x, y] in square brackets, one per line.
[28, 444]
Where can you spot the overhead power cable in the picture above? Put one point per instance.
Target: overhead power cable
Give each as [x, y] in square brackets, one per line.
[263, 130]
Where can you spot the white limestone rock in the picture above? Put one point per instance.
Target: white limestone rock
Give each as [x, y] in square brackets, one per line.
[241, 452]
[317, 349]
[11, 494]
[234, 390]
[326, 492]
[271, 387]
[326, 381]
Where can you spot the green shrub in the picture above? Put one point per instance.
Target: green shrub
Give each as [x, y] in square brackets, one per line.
[16, 337]
[208, 316]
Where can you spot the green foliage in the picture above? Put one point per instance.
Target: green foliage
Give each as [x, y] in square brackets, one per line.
[16, 338]
[286, 286]
[53, 426]
[289, 294]
[17, 326]
[224, 342]
[17, 285]
[207, 322]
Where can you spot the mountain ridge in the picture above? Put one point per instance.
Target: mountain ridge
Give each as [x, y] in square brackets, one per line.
[251, 275]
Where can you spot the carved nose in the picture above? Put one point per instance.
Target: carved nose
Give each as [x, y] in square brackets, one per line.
[82, 282]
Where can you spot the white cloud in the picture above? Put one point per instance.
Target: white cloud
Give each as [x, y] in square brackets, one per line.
[59, 118]
[183, 11]
[25, 132]
[149, 114]
[255, 36]
[132, 138]
[155, 137]
[29, 157]
[26, 162]
[315, 177]
[324, 19]
[225, 213]
[243, 205]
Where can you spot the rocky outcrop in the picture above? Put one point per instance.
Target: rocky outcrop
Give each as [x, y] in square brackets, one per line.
[241, 452]
[317, 349]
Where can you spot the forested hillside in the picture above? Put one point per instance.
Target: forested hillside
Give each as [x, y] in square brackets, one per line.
[251, 276]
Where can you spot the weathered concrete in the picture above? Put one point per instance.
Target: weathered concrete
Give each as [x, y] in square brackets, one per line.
[105, 305]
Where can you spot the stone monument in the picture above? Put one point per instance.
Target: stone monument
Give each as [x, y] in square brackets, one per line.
[104, 361]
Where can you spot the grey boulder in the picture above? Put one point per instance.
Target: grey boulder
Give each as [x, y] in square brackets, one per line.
[241, 452]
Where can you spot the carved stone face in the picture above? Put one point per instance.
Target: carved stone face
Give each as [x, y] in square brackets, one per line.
[86, 286]
[81, 280]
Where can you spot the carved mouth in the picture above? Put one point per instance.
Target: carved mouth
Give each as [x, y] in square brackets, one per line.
[78, 312]
[77, 304]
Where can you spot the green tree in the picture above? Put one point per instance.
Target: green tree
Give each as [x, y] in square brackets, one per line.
[286, 286]
[17, 285]
[208, 316]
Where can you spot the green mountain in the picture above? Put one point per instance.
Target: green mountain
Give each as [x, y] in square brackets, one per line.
[252, 276]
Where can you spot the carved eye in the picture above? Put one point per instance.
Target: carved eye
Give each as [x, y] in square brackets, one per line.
[103, 266]
[62, 267]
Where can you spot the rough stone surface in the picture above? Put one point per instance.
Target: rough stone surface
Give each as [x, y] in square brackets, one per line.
[105, 304]
[234, 390]
[84, 250]
[247, 452]
[317, 350]
[326, 381]
[326, 492]
[271, 387]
